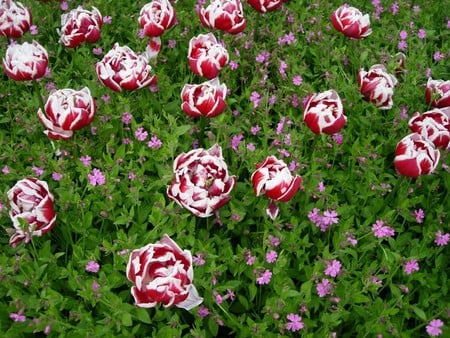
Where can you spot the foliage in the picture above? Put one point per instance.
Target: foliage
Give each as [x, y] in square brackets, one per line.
[45, 280]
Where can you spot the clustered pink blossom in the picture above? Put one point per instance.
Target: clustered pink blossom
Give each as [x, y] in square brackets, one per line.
[380, 230]
[295, 322]
[264, 278]
[411, 266]
[333, 268]
[434, 327]
[324, 220]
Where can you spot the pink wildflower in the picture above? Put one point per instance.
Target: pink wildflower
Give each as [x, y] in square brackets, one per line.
[434, 327]
[295, 322]
[411, 266]
[264, 278]
[333, 268]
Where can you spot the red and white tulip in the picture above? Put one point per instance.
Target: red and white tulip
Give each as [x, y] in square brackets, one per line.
[26, 61]
[162, 274]
[437, 93]
[377, 86]
[207, 56]
[324, 112]
[351, 22]
[15, 19]
[274, 179]
[80, 25]
[67, 110]
[156, 17]
[416, 155]
[201, 184]
[31, 210]
[205, 99]
[226, 15]
[122, 69]
[434, 125]
[264, 6]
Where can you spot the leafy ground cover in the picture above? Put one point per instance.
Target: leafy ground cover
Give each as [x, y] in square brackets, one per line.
[289, 210]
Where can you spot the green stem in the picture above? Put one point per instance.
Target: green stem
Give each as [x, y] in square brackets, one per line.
[201, 138]
[37, 92]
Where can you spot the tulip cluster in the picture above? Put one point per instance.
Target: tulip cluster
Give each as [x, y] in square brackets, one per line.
[418, 153]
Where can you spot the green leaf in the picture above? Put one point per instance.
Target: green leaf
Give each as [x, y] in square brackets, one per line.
[360, 298]
[143, 315]
[126, 319]
[419, 312]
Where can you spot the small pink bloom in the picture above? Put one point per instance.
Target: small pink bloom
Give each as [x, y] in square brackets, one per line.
[324, 288]
[411, 266]
[295, 322]
[271, 256]
[333, 268]
[264, 278]
[441, 238]
[434, 327]
[96, 177]
[92, 266]
[380, 230]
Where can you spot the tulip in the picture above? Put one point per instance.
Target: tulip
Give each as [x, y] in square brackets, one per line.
[264, 6]
[67, 110]
[416, 155]
[80, 25]
[206, 56]
[31, 210]
[24, 62]
[156, 17]
[377, 86]
[122, 69]
[273, 179]
[324, 113]
[437, 93]
[162, 273]
[206, 99]
[201, 183]
[226, 15]
[15, 19]
[434, 125]
[351, 22]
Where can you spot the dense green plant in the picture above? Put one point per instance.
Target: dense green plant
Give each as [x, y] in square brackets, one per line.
[253, 273]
